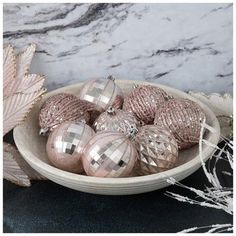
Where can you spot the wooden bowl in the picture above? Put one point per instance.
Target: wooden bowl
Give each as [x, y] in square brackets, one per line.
[32, 147]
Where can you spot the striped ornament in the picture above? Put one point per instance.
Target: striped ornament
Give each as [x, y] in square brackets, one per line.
[143, 102]
[60, 108]
[183, 117]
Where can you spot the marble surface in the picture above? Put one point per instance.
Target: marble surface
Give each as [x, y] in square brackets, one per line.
[187, 46]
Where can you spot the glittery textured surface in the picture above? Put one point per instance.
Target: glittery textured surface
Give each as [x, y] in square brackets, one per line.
[143, 102]
[183, 117]
[109, 154]
[66, 143]
[115, 120]
[60, 108]
[157, 148]
[103, 93]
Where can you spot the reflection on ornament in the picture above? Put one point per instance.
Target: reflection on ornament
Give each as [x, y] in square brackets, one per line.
[66, 143]
[183, 117]
[109, 154]
[103, 93]
[60, 108]
[157, 148]
[115, 120]
[143, 102]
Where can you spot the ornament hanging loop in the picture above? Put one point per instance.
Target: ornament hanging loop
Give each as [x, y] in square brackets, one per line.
[111, 110]
[133, 131]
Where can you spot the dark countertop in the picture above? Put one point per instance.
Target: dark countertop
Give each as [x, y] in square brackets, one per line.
[49, 207]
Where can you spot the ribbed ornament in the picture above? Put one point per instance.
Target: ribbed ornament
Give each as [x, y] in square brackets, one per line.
[60, 108]
[103, 93]
[109, 154]
[115, 120]
[143, 102]
[157, 148]
[66, 143]
[183, 117]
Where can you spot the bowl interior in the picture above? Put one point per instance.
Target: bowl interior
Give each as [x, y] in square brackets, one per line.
[33, 147]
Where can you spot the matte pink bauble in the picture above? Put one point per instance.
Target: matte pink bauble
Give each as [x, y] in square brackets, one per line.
[103, 93]
[143, 102]
[183, 117]
[60, 108]
[157, 148]
[109, 154]
[66, 143]
[115, 120]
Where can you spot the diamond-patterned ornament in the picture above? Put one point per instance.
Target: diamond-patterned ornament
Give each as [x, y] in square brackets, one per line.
[115, 120]
[157, 148]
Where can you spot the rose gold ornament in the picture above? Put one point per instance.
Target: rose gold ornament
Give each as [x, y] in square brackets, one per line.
[65, 145]
[143, 102]
[60, 108]
[109, 154]
[183, 117]
[157, 148]
[103, 93]
[115, 120]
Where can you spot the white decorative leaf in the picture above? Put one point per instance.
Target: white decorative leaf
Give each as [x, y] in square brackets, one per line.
[24, 60]
[9, 69]
[11, 169]
[29, 84]
[25, 167]
[16, 107]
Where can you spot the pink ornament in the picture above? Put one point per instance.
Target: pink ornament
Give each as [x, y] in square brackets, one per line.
[60, 108]
[109, 154]
[143, 102]
[66, 143]
[183, 117]
[157, 148]
[115, 120]
[103, 93]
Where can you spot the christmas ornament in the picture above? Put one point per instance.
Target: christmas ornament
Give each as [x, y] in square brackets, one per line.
[115, 120]
[109, 154]
[157, 148]
[183, 117]
[103, 93]
[60, 108]
[65, 145]
[143, 102]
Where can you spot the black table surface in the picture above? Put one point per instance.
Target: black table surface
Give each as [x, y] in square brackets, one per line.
[49, 207]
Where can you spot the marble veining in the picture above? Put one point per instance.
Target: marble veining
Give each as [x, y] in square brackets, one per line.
[187, 46]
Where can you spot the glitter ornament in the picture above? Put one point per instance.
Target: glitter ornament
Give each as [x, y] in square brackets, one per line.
[115, 120]
[143, 102]
[66, 143]
[109, 154]
[157, 148]
[60, 108]
[103, 93]
[183, 117]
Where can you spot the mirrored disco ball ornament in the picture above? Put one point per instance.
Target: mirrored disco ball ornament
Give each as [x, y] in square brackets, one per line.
[143, 102]
[115, 120]
[66, 143]
[183, 117]
[60, 108]
[103, 93]
[157, 148]
[109, 154]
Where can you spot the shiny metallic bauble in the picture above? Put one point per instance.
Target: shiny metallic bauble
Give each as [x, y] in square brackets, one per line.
[66, 143]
